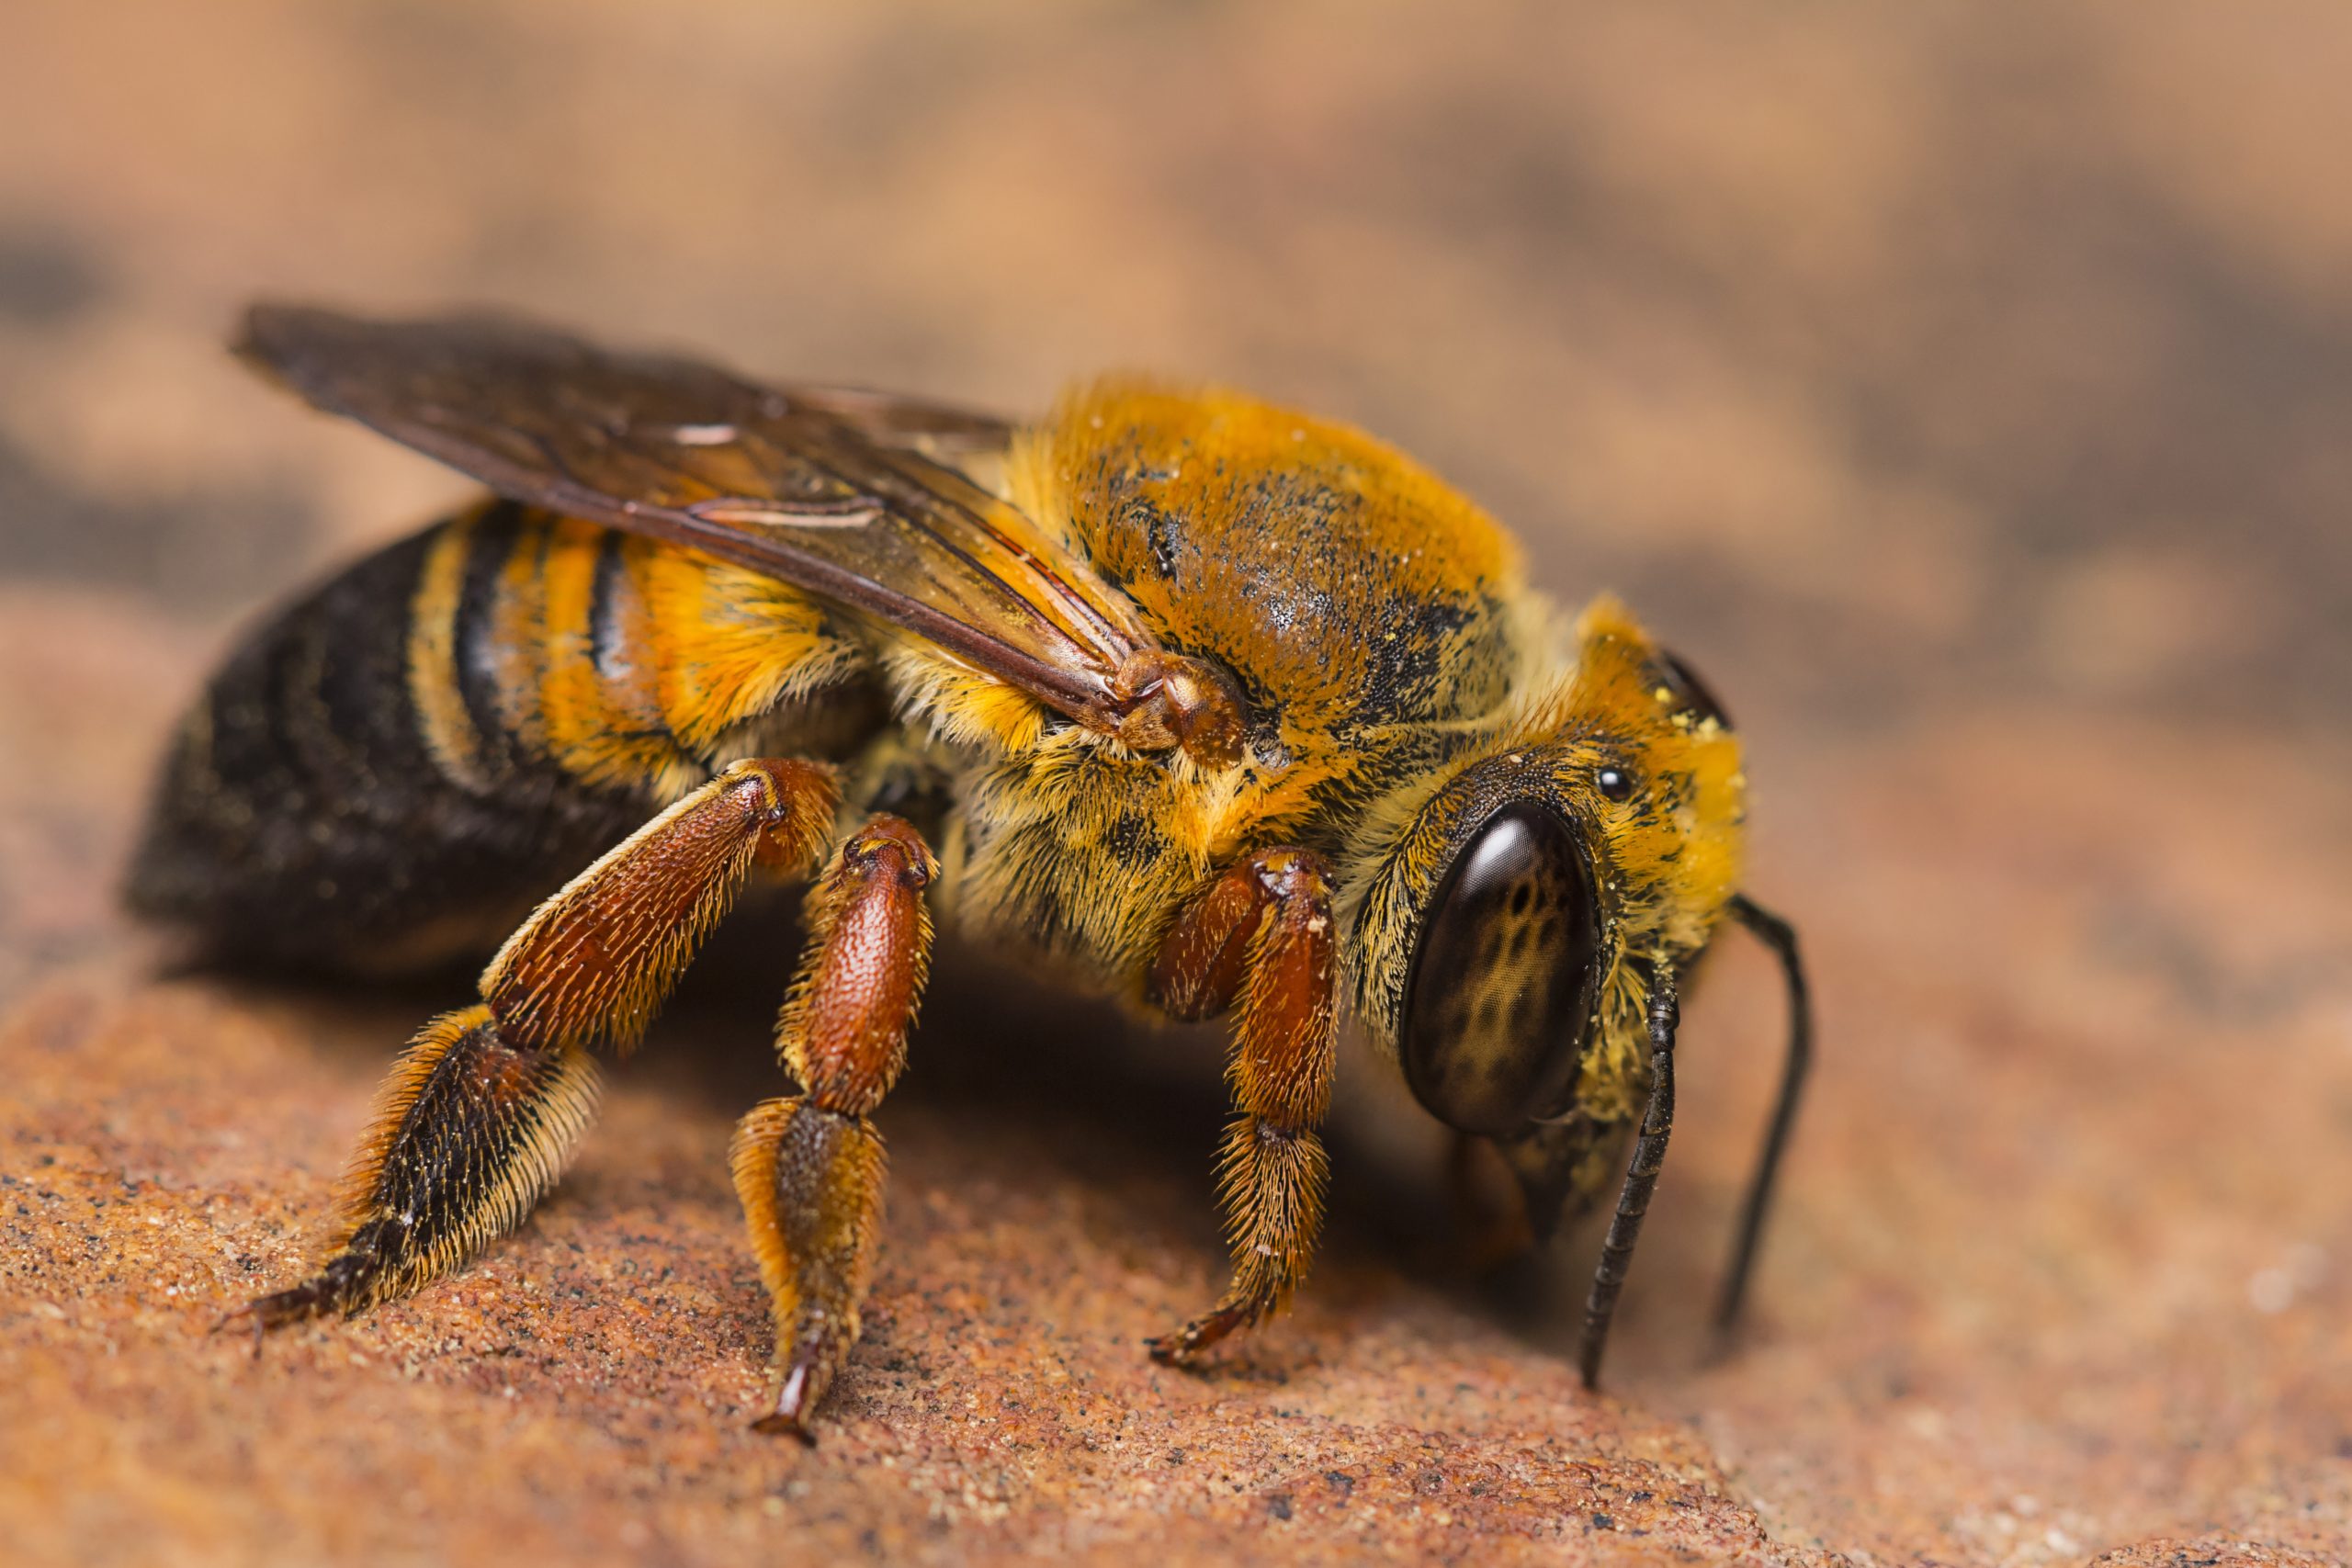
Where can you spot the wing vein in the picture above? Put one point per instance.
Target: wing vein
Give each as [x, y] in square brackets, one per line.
[663, 446]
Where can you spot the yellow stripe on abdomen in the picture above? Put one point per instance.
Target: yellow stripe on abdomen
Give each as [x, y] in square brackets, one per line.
[448, 729]
[621, 661]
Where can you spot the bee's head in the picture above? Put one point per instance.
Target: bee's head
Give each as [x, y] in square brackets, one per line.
[1510, 920]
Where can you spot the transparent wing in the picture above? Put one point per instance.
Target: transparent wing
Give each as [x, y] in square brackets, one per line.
[856, 496]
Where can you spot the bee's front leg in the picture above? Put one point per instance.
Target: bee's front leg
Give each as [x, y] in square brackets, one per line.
[809, 1169]
[1261, 936]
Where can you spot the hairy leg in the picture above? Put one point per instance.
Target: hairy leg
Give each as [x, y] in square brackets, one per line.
[810, 1167]
[483, 1110]
[1260, 940]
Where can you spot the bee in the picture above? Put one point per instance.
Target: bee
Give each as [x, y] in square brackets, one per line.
[1197, 702]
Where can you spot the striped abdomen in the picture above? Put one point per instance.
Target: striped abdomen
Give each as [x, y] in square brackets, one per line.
[394, 768]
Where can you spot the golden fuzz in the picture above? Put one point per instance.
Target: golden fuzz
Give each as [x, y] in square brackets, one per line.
[1393, 685]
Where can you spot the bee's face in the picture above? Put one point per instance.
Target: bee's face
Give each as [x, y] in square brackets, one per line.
[1506, 937]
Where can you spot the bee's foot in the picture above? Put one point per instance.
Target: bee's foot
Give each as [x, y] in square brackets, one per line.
[782, 1426]
[792, 1400]
[265, 1313]
[343, 1285]
[1168, 1350]
[1189, 1344]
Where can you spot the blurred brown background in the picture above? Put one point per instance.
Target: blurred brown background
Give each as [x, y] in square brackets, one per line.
[1967, 390]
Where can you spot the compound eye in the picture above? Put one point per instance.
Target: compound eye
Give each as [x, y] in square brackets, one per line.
[1692, 695]
[1502, 987]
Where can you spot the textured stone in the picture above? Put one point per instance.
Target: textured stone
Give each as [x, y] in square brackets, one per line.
[1962, 392]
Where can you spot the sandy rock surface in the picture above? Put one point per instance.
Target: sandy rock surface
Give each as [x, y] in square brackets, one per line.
[1965, 398]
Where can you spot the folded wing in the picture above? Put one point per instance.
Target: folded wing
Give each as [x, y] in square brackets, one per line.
[852, 495]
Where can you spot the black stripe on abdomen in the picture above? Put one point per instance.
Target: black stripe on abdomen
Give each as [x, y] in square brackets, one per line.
[303, 816]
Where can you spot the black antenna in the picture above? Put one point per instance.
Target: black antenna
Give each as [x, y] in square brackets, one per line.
[1781, 938]
[1641, 1179]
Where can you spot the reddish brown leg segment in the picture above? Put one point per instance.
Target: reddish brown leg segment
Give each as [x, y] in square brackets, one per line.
[593, 962]
[1261, 936]
[810, 1167]
[482, 1112]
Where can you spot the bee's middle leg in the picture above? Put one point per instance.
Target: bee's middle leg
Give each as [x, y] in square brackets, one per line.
[482, 1112]
[810, 1167]
[1261, 937]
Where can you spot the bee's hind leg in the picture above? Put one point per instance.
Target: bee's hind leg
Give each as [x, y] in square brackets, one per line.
[468, 1133]
[810, 1167]
[1261, 937]
[483, 1110]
